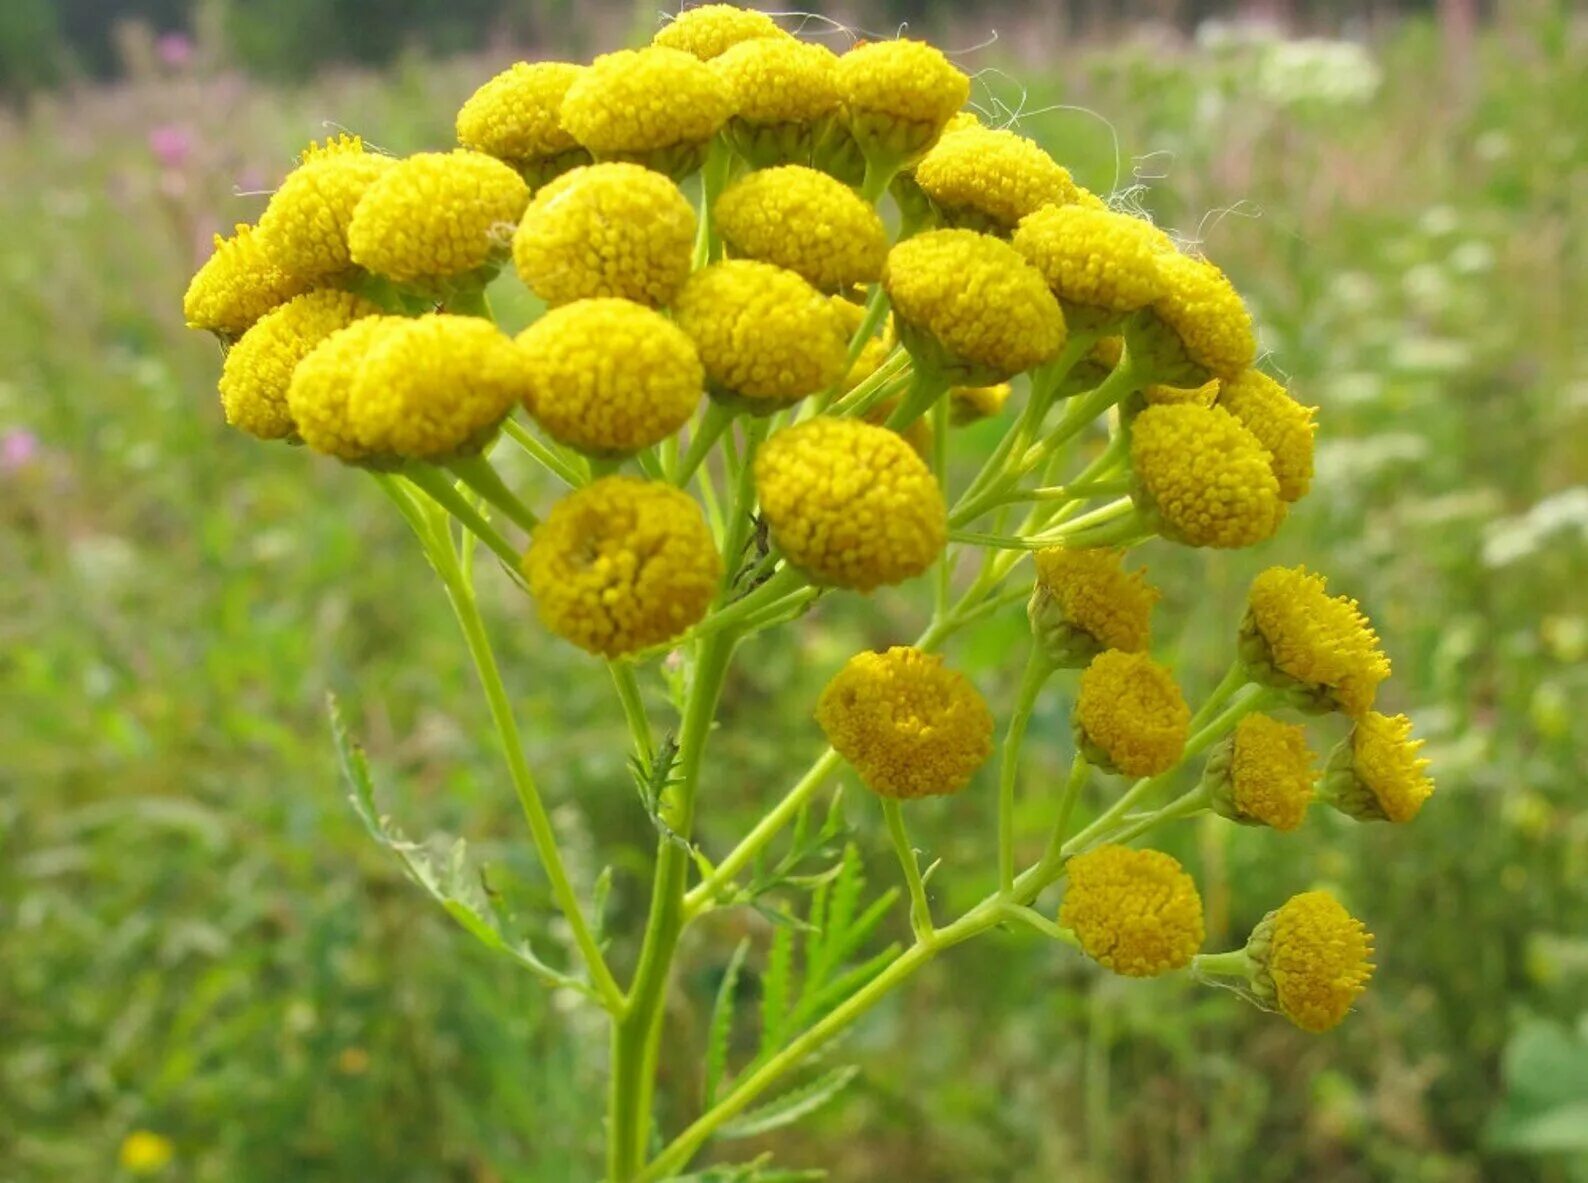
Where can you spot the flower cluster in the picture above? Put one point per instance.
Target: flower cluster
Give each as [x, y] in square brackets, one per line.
[740, 406]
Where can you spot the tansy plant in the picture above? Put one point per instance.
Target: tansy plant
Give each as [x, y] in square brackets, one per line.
[744, 404]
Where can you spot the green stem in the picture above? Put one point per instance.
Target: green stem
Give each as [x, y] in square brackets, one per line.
[440, 488]
[713, 423]
[633, 702]
[925, 389]
[1123, 381]
[713, 179]
[1184, 806]
[543, 454]
[882, 383]
[479, 475]
[945, 567]
[1038, 670]
[920, 909]
[1234, 678]
[879, 175]
[1074, 784]
[742, 513]
[1237, 963]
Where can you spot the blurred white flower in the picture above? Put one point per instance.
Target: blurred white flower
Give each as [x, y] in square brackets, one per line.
[1513, 539]
[1319, 72]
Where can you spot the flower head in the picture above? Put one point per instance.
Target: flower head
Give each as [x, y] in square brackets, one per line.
[319, 397]
[806, 222]
[609, 376]
[1376, 773]
[655, 106]
[970, 404]
[850, 503]
[144, 1152]
[1093, 259]
[784, 94]
[1297, 637]
[437, 216]
[985, 179]
[1204, 476]
[909, 725]
[1136, 912]
[709, 30]
[1281, 424]
[765, 335]
[606, 230]
[236, 286]
[1085, 602]
[1311, 959]
[259, 367]
[622, 564]
[303, 230]
[1262, 774]
[516, 117]
[898, 95]
[977, 310]
[1130, 717]
[1199, 327]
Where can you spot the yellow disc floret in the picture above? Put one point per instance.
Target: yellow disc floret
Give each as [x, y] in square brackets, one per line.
[654, 106]
[621, 565]
[805, 221]
[259, 367]
[850, 503]
[437, 216]
[765, 335]
[898, 95]
[783, 93]
[1130, 717]
[986, 179]
[236, 286]
[1270, 774]
[1377, 774]
[516, 117]
[322, 388]
[606, 230]
[610, 376]
[1199, 327]
[1298, 637]
[1312, 960]
[1092, 258]
[711, 29]
[1085, 602]
[1281, 424]
[1204, 477]
[304, 228]
[909, 725]
[1135, 912]
[976, 309]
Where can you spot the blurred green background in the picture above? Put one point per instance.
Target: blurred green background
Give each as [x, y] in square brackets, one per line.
[198, 940]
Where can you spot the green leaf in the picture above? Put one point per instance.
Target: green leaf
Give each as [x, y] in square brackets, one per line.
[777, 987]
[791, 1106]
[448, 876]
[721, 1028]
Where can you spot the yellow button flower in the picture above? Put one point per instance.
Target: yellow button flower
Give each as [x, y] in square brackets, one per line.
[606, 230]
[970, 307]
[898, 95]
[516, 117]
[1311, 958]
[909, 725]
[984, 179]
[1297, 637]
[144, 1152]
[1199, 327]
[712, 29]
[1281, 424]
[1376, 774]
[437, 216]
[304, 228]
[850, 504]
[1085, 602]
[259, 367]
[784, 94]
[654, 106]
[1263, 773]
[971, 404]
[1135, 912]
[436, 386]
[1204, 477]
[621, 565]
[806, 222]
[1092, 258]
[1130, 717]
[236, 286]
[611, 377]
[322, 387]
[765, 335]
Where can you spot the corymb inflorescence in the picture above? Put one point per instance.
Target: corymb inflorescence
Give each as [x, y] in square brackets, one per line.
[677, 348]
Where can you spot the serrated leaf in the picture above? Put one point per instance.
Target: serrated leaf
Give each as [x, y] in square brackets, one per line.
[813, 1007]
[721, 1029]
[791, 1106]
[449, 878]
[777, 987]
